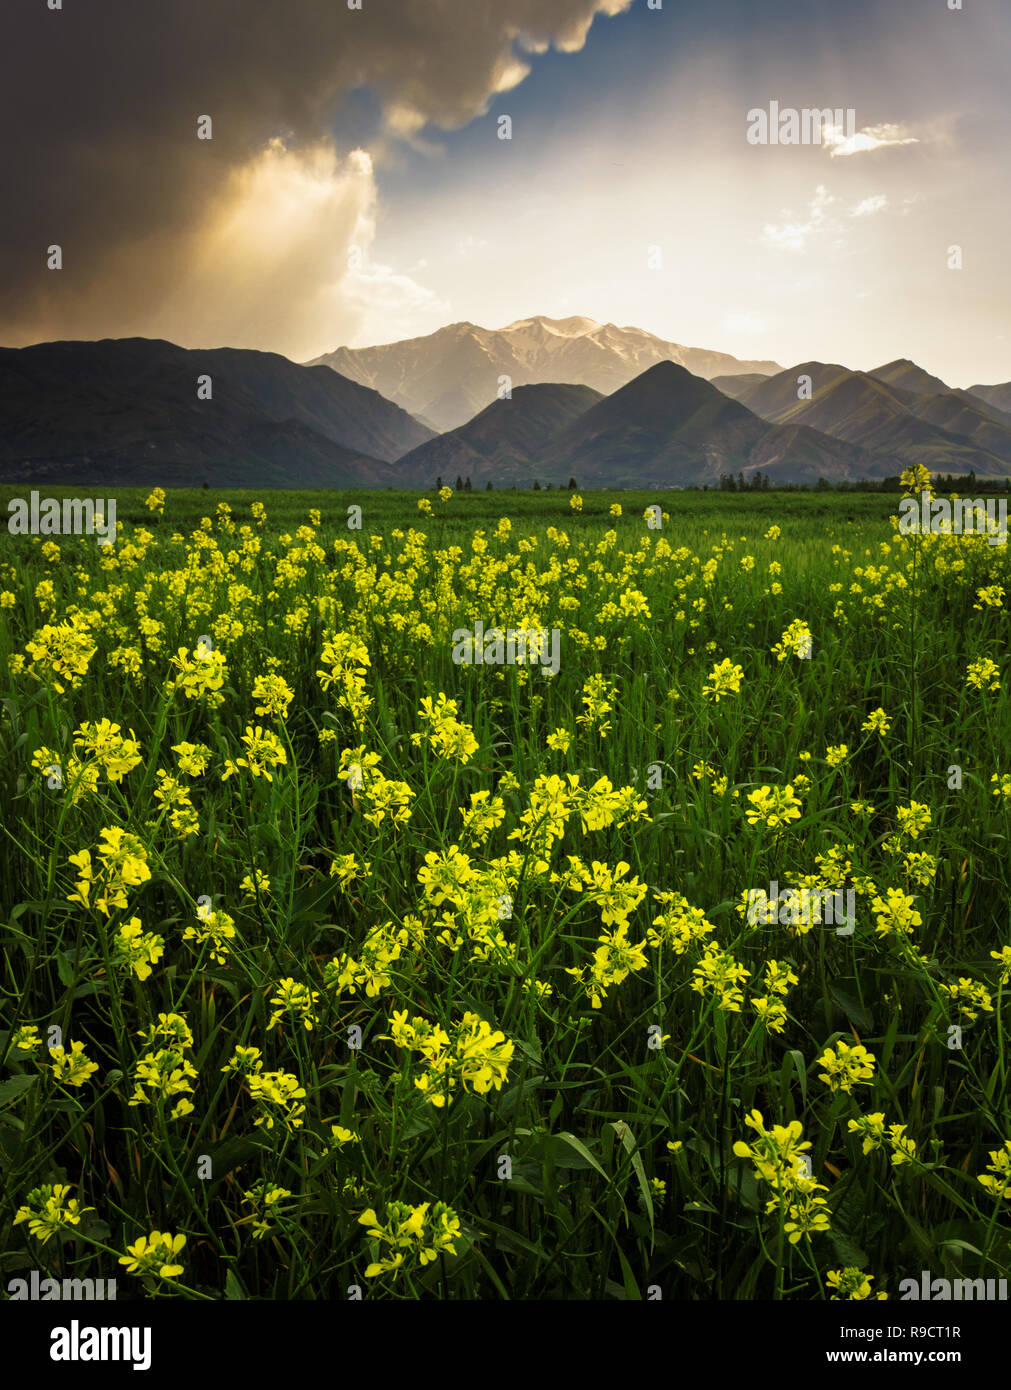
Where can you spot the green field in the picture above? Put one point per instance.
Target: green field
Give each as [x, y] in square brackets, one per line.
[363, 984]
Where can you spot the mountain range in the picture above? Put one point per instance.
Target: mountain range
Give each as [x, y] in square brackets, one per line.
[897, 411]
[666, 425]
[447, 377]
[129, 411]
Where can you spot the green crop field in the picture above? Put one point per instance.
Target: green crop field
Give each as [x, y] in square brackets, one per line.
[334, 966]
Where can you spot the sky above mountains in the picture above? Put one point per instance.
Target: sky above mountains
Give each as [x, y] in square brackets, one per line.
[356, 190]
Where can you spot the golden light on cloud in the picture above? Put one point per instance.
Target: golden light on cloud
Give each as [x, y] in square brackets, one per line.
[874, 137]
[270, 261]
[511, 75]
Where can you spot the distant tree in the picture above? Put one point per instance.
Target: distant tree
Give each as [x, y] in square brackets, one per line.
[205, 482]
[466, 486]
[537, 486]
[765, 483]
[823, 485]
[488, 486]
[438, 484]
[741, 484]
[548, 487]
[459, 483]
[572, 484]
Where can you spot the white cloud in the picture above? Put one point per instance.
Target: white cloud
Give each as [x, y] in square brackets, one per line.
[793, 236]
[872, 137]
[389, 306]
[868, 206]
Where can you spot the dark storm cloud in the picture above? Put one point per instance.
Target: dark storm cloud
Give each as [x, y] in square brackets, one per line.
[101, 101]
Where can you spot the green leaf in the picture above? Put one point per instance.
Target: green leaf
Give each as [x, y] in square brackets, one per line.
[847, 1252]
[860, 1016]
[16, 1086]
[628, 1143]
[229, 1154]
[581, 1149]
[800, 1066]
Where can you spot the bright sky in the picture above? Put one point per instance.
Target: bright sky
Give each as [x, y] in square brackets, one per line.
[789, 252]
[355, 190]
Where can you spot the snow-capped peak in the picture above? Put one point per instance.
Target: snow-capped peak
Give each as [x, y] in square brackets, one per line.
[575, 327]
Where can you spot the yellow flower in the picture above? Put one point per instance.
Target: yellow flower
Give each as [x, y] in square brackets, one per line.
[154, 1254]
[1004, 957]
[48, 1212]
[273, 694]
[913, 818]
[773, 806]
[997, 1180]
[192, 757]
[871, 1127]
[721, 974]
[877, 722]
[983, 674]
[895, 913]
[215, 929]
[264, 751]
[795, 641]
[71, 1068]
[201, 675]
[851, 1283]
[915, 479]
[724, 679]
[410, 1234]
[26, 1038]
[136, 949]
[845, 1066]
[296, 1001]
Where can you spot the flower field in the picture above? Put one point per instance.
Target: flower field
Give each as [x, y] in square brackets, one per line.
[336, 967]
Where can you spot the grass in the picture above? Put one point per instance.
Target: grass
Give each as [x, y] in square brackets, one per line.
[505, 1128]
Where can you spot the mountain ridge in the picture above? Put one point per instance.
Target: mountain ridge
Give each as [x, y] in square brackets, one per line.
[449, 376]
[131, 407]
[945, 430]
